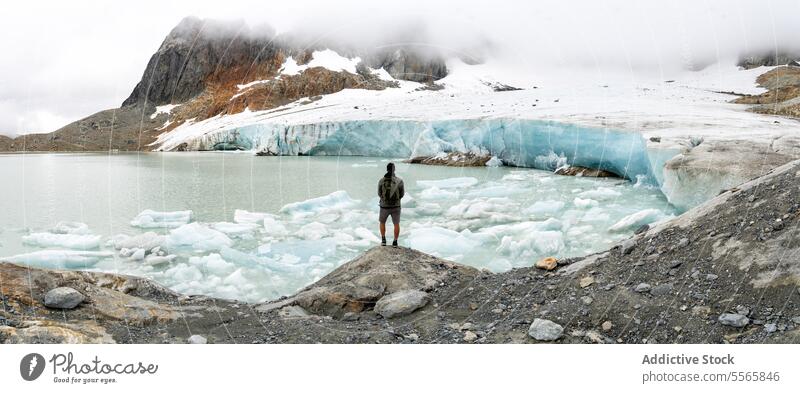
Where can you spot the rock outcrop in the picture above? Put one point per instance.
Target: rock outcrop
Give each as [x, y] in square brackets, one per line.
[769, 59]
[200, 67]
[582, 171]
[783, 92]
[455, 158]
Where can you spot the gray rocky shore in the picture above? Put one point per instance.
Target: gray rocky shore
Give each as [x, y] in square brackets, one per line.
[724, 272]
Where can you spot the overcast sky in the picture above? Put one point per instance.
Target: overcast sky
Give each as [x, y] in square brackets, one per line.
[63, 60]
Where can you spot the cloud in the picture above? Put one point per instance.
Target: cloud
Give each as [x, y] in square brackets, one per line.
[67, 60]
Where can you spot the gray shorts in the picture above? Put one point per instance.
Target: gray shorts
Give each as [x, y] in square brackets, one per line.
[389, 211]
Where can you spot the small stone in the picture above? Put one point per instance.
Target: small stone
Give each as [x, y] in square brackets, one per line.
[545, 330]
[595, 337]
[675, 264]
[742, 310]
[63, 298]
[735, 320]
[197, 339]
[796, 320]
[770, 328]
[548, 263]
[465, 326]
[642, 229]
[587, 300]
[643, 287]
[607, 325]
[711, 277]
[586, 281]
[413, 337]
[470, 336]
[684, 307]
[661, 290]
[350, 316]
[683, 242]
[473, 306]
[677, 329]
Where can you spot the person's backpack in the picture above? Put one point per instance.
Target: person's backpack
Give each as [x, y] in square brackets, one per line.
[390, 191]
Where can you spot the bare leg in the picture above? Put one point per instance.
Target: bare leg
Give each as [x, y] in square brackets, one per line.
[383, 229]
[396, 231]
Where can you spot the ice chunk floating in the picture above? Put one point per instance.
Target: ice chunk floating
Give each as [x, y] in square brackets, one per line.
[154, 219]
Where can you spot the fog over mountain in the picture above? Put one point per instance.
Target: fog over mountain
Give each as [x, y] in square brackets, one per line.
[68, 60]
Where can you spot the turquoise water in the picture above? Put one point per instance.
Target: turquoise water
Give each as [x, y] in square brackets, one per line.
[496, 218]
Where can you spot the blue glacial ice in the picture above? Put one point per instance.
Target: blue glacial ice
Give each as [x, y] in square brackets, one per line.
[524, 143]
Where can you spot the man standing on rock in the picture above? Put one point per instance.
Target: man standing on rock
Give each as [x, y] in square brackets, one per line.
[390, 192]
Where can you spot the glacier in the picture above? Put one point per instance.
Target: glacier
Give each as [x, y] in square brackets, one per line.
[525, 143]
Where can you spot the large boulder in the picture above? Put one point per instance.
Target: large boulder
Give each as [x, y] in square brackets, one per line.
[401, 303]
[358, 285]
[64, 298]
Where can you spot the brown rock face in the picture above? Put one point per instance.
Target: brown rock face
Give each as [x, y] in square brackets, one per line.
[198, 55]
[582, 171]
[452, 159]
[783, 94]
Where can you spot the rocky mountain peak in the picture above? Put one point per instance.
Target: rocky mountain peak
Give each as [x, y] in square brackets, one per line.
[198, 52]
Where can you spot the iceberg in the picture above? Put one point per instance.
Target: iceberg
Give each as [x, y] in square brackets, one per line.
[60, 259]
[436, 193]
[602, 193]
[584, 203]
[235, 229]
[147, 241]
[197, 237]
[453, 182]
[635, 220]
[153, 219]
[548, 207]
[442, 241]
[246, 217]
[303, 250]
[274, 227]
[312, 231]
[71, 228]
[334, 201]
[77, 242]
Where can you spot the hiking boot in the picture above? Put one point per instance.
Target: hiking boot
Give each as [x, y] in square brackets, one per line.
[383, 241]
[394, 243]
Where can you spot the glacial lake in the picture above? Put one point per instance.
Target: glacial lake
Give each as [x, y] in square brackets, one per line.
[263, 227]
